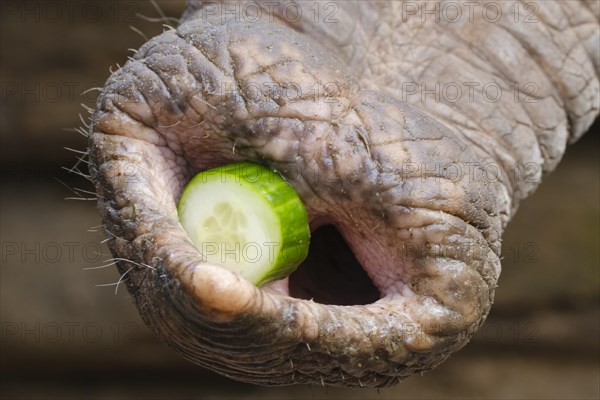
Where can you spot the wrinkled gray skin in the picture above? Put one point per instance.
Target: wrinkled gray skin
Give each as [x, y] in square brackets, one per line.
[383, 171]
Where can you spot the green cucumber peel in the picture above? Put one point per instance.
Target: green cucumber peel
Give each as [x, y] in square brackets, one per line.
[248, 219]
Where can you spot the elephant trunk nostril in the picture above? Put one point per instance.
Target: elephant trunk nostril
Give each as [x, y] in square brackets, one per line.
[331, 274]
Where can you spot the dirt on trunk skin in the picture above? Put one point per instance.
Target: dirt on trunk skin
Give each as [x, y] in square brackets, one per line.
[361, 160]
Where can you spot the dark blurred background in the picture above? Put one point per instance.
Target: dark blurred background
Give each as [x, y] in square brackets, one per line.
[63, 336]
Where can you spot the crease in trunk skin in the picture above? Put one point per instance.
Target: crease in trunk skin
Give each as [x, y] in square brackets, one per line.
[363, 156]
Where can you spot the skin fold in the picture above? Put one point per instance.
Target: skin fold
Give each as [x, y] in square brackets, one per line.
[357, 108]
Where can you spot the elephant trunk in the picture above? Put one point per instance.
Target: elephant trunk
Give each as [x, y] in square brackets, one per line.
[419, 192]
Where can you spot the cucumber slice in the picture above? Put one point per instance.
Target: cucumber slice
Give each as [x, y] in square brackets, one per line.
[246, 218]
